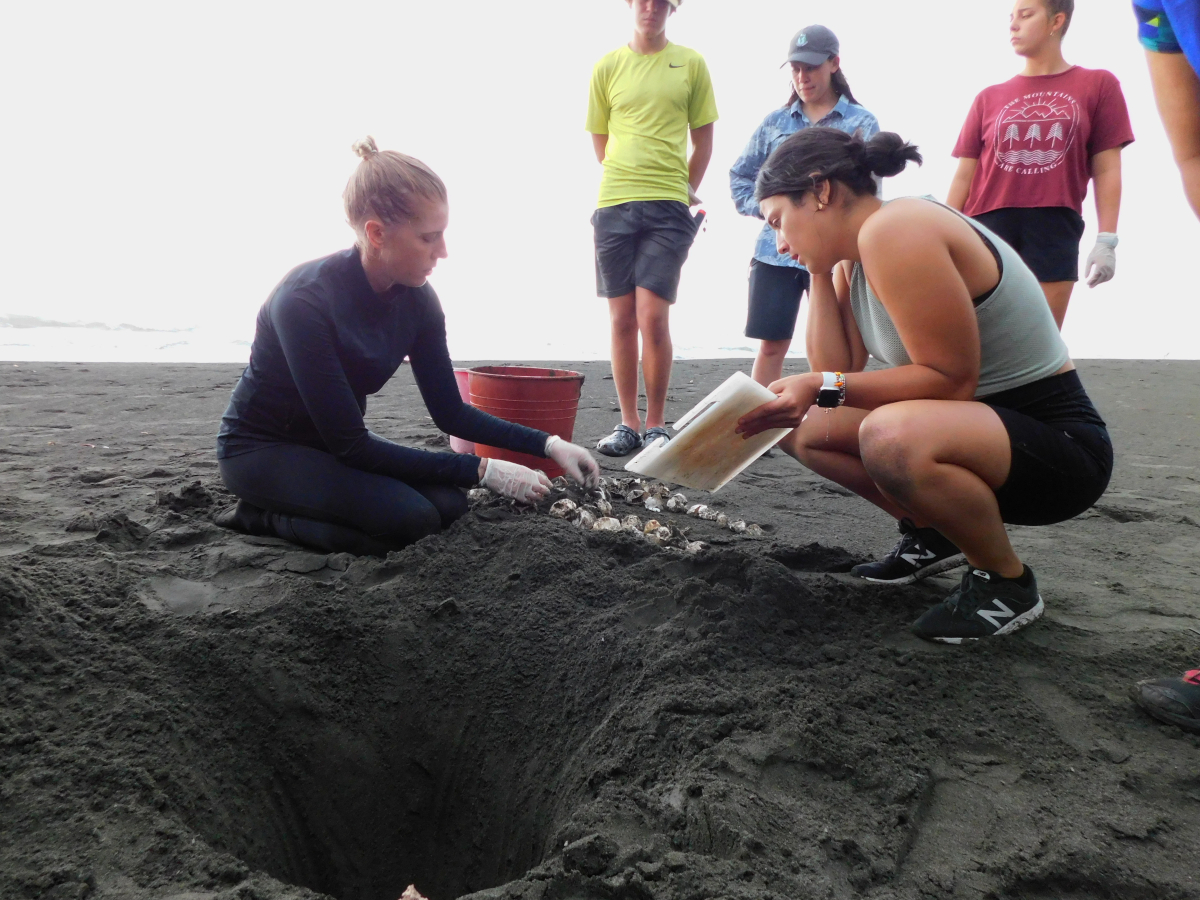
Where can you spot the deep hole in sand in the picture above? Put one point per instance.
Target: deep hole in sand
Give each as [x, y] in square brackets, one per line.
[435, 798]
[438, 743]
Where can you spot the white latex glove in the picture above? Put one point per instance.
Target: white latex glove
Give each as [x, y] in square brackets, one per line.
[1102, 261]
[580, 465]
[514, 481]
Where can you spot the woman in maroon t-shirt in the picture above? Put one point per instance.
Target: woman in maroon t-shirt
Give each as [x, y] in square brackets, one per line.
[1029, 146]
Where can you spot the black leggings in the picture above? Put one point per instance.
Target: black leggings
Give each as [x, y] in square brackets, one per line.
[321, 503]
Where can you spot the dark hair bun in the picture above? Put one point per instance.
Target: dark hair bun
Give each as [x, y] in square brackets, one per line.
[887, 154]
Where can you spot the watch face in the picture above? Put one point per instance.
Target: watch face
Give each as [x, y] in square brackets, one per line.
[828, 399]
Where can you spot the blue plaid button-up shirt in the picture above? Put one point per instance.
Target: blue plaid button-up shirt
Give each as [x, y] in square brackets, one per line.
[845, 116]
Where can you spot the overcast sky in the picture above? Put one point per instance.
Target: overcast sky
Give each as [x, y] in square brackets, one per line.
[165, 164]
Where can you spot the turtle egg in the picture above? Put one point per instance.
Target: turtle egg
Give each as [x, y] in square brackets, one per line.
[561, 509]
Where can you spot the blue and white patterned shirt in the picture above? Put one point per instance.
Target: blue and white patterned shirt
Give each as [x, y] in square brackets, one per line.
[845, 116]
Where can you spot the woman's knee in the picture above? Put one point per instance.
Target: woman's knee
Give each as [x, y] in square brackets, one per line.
[774, 349]
[449, 502]
[434, 508]
[809, 436]
[890, 446]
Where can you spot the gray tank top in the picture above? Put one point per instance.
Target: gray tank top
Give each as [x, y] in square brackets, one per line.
[1018, 340]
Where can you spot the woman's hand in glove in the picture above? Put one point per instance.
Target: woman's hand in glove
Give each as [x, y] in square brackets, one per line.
[580, 465]
[514, 481]
[1102, 261]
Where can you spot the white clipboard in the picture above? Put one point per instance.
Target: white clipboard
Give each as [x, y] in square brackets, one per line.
[707, 454]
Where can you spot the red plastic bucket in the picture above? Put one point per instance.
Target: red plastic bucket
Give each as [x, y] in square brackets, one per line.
[457, 444]
[546, 399]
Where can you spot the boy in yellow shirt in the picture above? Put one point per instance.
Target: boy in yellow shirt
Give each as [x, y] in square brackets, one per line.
[644, 99]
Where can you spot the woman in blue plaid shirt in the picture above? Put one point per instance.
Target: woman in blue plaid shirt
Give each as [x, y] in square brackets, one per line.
[819, 96]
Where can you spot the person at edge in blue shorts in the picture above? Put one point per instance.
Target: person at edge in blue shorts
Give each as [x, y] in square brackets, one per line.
[293, 445]
[1170, 32]
[820, 95]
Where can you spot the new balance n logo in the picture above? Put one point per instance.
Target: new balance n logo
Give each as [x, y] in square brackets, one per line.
[995, 615]
[914, 559]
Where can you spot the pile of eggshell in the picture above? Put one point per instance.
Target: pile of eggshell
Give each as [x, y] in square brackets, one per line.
[597, 513]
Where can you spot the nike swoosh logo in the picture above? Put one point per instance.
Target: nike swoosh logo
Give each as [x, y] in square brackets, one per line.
[673, 66]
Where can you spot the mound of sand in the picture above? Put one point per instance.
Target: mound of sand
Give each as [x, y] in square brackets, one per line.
[521, 709]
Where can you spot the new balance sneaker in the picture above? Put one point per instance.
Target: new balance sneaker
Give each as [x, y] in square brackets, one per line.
[920, 553]
[1172, 700]
[984, 604]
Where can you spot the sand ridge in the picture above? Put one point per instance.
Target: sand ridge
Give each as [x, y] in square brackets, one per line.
[523, 710]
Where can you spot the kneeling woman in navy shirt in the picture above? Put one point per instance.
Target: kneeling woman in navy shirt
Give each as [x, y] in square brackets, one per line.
[293, 445]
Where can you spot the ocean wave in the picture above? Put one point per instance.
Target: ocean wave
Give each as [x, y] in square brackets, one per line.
[1030, 157]
[20, 321]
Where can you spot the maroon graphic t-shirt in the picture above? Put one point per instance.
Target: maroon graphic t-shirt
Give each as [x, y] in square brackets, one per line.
[1035, 136]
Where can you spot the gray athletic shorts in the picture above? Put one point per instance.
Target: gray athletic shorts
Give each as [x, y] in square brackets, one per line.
[643, 243]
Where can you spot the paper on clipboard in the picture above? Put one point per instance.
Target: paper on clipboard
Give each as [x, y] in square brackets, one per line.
[707, 454]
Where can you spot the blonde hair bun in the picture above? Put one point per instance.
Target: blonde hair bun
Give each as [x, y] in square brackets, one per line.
[365, 148]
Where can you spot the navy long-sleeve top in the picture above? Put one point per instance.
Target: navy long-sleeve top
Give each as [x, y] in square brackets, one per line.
[323, 341]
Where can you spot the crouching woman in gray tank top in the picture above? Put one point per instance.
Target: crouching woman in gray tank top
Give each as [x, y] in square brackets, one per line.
[979, 417]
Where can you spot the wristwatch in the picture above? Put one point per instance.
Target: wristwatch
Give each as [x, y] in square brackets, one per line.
[833, 390]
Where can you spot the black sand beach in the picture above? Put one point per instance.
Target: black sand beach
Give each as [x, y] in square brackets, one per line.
[522, 710]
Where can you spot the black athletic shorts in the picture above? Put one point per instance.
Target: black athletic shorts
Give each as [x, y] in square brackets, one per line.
[643, 243]
[1045, 237]
[775, 293]
[1062, 457]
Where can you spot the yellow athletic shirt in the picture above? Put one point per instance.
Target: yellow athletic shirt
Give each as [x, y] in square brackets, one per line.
[646, 104]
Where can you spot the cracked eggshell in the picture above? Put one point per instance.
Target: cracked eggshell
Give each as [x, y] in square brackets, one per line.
[737, 526]
[585, 519]
[755, 531]
[654, 503]
[677, 503]
[696, 546]
[562, 509]
[608, 523]
[651, 526]
[722, 520]
[604, 507]
[635, 495]
[559, 483]
[476, 494]
[632, 523]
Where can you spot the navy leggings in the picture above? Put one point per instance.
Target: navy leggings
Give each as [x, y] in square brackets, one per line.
[321, 503]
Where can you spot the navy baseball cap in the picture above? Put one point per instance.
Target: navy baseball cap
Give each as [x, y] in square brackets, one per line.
[812, 45]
